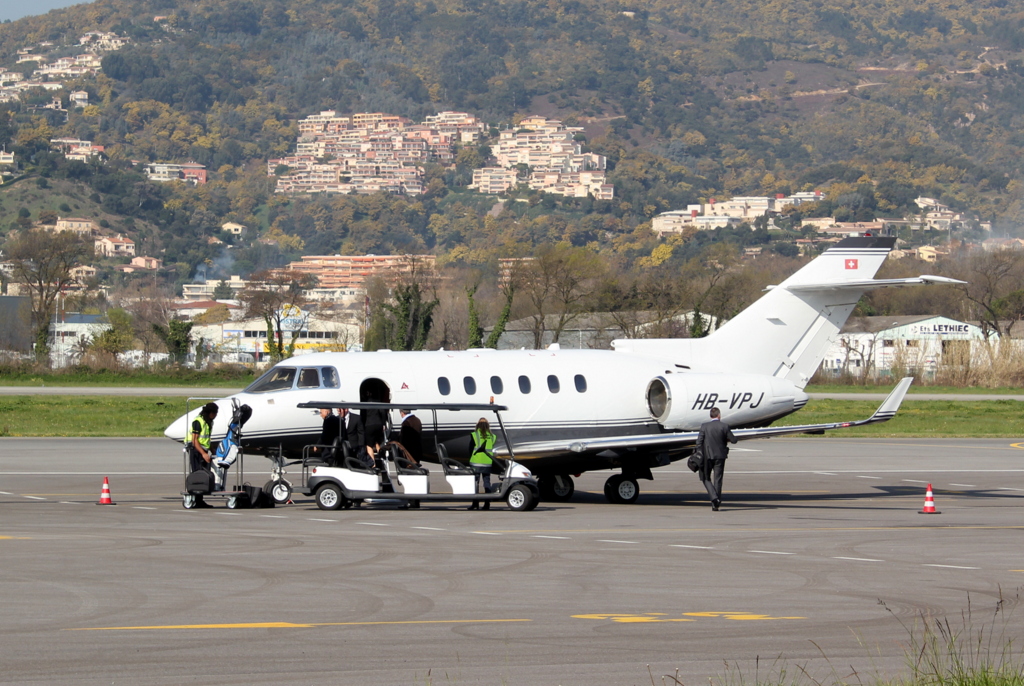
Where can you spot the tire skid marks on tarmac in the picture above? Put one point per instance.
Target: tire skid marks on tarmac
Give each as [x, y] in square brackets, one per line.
[841, 554]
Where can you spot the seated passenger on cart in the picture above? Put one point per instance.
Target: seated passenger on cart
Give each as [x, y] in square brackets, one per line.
[201, 452]
[411, 435]
[328, 433]
[350, 430]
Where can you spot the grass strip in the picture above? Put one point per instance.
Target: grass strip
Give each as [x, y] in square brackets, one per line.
[919, 419]
[145, 416]
[916, 388]
[219, 378]
[88, 415]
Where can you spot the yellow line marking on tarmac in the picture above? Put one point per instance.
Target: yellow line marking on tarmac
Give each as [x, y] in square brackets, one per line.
[1017, 445]
[289, 625]
[15, 538]
[646, 617]
[746, 530]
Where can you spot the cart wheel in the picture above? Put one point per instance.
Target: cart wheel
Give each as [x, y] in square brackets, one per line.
[520, 498]
[281, 492]
[233, 502]
[188, 501]
[329, 497]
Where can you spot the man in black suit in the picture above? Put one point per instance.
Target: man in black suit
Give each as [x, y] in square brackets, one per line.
[411, 435]
[712, 443]
[328, 433]
[350, 431]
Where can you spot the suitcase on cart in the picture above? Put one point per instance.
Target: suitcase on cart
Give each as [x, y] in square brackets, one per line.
[199, 482]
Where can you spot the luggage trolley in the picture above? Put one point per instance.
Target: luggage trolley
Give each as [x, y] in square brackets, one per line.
[238, 496]
[343, 481]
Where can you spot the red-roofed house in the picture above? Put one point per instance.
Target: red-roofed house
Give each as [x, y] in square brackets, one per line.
[115, 246]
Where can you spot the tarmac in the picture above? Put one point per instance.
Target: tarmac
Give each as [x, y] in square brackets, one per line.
[818, 561]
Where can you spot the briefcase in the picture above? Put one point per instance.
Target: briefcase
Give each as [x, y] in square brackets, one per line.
[695, 461]
[199, 482]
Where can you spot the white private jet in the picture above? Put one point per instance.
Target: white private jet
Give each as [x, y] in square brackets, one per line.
[631, 408]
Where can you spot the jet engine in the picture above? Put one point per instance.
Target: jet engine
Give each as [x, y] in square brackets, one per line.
[682, 402]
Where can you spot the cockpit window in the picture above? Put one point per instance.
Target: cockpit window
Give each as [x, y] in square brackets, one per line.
[308, 378]
[277, 379]
[330, 377]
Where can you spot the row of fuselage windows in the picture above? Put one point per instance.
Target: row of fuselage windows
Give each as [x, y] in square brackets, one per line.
[469, 385]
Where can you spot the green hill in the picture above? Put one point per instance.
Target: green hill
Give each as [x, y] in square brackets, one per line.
[881, 102]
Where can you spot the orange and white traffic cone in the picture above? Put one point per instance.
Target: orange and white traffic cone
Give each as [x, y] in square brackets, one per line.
[105, 494]
[929, 502]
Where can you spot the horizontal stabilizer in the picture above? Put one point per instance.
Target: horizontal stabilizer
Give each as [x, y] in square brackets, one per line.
[873, 283]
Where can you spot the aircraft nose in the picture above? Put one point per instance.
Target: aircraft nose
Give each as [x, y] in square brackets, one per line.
[176, 431]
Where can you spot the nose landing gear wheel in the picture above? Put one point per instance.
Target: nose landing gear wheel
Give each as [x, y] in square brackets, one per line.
[621, 489]
[280, 491]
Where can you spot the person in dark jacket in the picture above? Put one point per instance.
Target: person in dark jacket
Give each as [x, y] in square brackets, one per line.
[374, 427]
[350, 430]
[411, 435]
[712, 442]
[328, 433]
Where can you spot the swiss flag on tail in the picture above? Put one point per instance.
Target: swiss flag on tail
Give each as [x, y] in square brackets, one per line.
[851, 264]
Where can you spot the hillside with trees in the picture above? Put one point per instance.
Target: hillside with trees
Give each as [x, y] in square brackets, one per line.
[877, 104]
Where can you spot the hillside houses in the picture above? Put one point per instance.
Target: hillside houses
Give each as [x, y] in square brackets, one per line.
[370, 152]
[738, 210]
[50, 75]
[75, 149]
[190, 172]
[374, 152]
[114, 246]
[554, 158]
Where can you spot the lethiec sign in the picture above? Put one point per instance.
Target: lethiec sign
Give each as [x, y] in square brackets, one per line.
[953, 329]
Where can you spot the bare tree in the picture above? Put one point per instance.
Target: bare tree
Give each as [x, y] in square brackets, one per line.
[150, 305]
[43, 261]
[275, 295]
[560, 282]
[994, 288]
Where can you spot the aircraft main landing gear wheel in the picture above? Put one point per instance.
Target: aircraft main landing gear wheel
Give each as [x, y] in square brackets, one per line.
[329, 497]
[520, 498]
[558, 487]
[621, 489]
[188, 501]
[280, 491]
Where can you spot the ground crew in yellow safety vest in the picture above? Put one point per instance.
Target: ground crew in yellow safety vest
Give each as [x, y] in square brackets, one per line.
[201, 453]
[481, 458]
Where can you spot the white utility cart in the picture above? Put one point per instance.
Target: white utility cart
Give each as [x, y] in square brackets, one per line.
[343, 481]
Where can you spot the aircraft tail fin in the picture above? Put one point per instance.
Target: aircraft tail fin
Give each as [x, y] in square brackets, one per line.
[787, 331]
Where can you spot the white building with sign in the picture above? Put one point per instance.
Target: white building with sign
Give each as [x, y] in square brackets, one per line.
[874, 346]
[246, 341]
